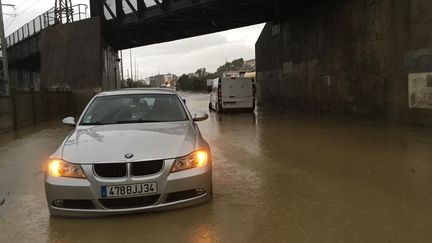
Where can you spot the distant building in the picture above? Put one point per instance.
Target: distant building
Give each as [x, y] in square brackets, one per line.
[147, 80]
[170, 80]
[163, 81]
[156, 81]
[231, 74]
[250, 64]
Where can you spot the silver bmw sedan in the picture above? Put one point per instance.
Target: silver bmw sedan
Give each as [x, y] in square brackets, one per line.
[131, 151]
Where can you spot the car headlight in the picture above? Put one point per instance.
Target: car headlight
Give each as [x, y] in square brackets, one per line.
[60, 168]
[196, 159]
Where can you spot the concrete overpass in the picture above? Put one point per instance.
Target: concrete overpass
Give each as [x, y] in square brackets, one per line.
[70, 53]
[335, 56]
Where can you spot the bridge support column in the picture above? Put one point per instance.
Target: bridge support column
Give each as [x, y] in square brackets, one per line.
[351, 56]
[76, 56]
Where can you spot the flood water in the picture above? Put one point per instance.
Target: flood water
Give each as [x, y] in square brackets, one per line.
[277, 177]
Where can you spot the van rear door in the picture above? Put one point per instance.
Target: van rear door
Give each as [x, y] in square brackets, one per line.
[237, 93]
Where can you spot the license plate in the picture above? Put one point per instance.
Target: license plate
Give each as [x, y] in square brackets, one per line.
[129, 190]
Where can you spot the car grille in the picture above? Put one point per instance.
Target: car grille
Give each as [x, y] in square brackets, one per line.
[119, 170]
[134, 202]
[146, 168]
[110, 170]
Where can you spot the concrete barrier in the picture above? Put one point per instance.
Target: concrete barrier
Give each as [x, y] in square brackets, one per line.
[24, 109]
[80, 99]
[29, 108]
[42, 107]
[6, 114]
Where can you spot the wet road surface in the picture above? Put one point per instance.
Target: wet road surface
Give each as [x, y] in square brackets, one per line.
[277, 178]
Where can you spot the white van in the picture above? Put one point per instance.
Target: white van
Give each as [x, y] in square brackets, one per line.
[233, 93]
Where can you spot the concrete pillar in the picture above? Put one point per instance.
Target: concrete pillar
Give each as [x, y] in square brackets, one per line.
[351, 56]
[76, 55]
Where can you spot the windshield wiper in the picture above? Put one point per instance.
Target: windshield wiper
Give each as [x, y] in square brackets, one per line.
[136, 121]
[96, 123]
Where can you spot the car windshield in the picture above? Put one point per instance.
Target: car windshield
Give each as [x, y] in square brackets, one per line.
[137, 108]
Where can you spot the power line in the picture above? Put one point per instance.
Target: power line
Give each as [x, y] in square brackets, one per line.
[9, 5]
[10, 23]
[32, 3]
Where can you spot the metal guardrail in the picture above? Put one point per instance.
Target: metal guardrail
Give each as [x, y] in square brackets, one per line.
[79, 12]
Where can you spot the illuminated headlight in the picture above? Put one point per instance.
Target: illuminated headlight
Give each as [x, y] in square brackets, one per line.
[60, 168]
[196, 159]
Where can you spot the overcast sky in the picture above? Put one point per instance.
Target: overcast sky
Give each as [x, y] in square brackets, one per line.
[178, 57]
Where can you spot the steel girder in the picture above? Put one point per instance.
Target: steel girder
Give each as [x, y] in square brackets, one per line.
[133, 23]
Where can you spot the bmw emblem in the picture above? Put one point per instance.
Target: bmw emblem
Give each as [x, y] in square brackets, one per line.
[129, 156]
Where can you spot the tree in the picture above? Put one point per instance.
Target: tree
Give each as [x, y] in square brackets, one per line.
[201, 72]
[183, 83]
[129, 83]
[236, 65]
[198, 82]
[194, 83]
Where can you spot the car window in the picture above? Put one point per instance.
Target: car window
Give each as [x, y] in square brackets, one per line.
[123, 109]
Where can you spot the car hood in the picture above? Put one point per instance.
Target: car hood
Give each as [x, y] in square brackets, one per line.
[146, 141]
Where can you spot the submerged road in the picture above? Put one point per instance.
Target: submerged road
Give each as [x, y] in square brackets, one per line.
[277, 178]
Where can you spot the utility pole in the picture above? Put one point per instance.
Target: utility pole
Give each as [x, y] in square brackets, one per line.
[122, 63]
[136, 70]
[63, 11]
[4, 51]
[130, 57]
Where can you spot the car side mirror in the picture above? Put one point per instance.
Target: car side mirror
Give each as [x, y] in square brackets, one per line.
[200, 116]
[70, 121]
[184, 101]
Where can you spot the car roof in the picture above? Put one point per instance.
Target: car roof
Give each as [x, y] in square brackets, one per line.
[138, 91]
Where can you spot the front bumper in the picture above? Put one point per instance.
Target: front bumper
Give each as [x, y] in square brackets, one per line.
[82, 197]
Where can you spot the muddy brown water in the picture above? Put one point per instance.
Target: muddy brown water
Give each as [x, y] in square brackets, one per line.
[277, 178]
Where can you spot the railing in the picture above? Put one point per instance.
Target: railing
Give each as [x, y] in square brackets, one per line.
[79, 12]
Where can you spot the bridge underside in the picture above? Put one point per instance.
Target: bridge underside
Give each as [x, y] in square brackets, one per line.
[184, 18]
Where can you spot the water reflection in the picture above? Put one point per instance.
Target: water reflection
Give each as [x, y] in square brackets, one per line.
[185, 225]
[204, 234]
[278, 177]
